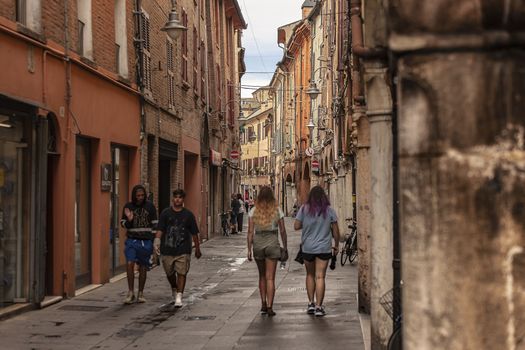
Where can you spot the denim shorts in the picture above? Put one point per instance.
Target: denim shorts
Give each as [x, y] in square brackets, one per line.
[139, 251]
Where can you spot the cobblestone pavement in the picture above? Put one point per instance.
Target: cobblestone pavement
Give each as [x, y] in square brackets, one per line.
[220, 311]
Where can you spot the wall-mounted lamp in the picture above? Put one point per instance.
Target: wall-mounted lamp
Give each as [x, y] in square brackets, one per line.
[313, 91]
[173, 26]
[5, 122]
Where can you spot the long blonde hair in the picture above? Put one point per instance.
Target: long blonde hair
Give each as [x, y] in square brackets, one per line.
[265, 208]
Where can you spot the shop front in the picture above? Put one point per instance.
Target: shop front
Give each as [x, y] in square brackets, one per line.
[23, 163]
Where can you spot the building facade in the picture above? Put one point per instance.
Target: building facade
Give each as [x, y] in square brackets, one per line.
[69, 143]
[97, 99]
[256, 146]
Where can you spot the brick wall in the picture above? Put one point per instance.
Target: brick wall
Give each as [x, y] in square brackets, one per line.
[8, 9]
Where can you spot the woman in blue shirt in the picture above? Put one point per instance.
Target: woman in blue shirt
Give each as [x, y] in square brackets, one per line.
[318, 222]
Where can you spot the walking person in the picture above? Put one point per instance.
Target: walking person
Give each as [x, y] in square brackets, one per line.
[139, 217]
[177, 228]
[235, 206]
[240, 215]
[265, 219]
[318, 222]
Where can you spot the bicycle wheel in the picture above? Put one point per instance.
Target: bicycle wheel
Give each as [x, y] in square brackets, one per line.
[344, 253]
[395, 342]
[353, 249]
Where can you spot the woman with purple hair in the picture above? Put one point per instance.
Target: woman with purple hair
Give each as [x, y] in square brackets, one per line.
[318, 222]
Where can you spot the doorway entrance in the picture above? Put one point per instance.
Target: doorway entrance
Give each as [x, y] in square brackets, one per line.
[83, 213]
[119, 197]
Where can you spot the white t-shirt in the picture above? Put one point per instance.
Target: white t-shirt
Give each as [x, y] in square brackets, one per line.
[242, 210]
[273, 224]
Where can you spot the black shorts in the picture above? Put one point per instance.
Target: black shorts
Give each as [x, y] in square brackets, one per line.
[311, 257]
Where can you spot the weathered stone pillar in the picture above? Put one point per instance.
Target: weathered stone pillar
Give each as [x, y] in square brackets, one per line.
[462, 172]
[363, 209]
[379, 113]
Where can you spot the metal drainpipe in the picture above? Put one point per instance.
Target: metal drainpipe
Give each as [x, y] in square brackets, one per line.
[139, 45]
[396, 262]
[357, 35]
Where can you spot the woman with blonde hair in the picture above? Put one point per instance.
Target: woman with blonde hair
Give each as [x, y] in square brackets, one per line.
[265, 219]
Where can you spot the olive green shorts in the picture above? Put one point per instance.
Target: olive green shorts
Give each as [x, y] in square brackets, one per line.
[266, 245]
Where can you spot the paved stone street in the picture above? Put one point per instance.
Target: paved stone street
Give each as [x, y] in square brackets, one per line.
[220, 312]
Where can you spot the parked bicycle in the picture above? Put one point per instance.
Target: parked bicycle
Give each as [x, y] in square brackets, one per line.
[225, 223]
[349, 251]
[391, 302]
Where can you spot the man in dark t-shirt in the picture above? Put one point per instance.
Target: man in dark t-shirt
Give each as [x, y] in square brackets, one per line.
[139, 217]
[176, 230]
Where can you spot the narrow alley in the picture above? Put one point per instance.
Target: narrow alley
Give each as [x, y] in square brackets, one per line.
[221, 310]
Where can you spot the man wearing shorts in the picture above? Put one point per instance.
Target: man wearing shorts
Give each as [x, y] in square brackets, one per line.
[176, 230]
[139, 217]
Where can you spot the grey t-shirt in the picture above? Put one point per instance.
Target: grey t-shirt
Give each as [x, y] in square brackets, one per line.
[316, 236]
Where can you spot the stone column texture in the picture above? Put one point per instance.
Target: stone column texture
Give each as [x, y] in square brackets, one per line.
[462, 172]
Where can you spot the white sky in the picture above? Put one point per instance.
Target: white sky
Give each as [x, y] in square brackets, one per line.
[260, 39]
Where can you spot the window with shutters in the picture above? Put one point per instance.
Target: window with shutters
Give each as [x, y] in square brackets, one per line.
[219, 90]
[146, 53]
[184, 48]
[170, 65]
[29, 14]
[85, 37]
[195, 49]
[121, 39]
[231, 104]
[203, 70]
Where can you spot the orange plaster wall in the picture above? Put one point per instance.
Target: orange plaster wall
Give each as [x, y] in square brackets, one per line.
[105, 112]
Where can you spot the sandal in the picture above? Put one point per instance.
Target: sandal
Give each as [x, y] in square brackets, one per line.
[271, 312]
[264, 309]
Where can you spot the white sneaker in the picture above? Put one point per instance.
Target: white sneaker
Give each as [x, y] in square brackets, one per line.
[178, 300]
[130, 298]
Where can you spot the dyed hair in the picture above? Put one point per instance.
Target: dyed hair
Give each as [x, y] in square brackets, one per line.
[265, 207]
[317, 203]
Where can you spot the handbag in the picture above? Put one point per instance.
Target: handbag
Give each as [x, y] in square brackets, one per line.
[299, 258]
[284, 254]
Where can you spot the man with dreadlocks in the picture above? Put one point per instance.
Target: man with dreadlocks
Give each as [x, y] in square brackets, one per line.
[263, 221]
[140, 219]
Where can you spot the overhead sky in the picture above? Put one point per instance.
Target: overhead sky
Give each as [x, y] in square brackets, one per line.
[260, 39]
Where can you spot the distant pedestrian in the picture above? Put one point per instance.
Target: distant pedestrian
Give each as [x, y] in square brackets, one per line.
[251, 203]
[139, 217]
[176, 229]
[318, 222]
[265, 219]
[240, 215]
[246, 205]
[235, 209]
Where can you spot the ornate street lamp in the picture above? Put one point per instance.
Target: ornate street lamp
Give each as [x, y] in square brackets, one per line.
[313, 91]
[173, 27]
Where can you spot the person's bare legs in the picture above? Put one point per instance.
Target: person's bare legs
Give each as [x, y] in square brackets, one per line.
[130, 270]
[271, 266]
[320, 274]
[181, 283]
[261, 266]
[143, 271]
[310, 280]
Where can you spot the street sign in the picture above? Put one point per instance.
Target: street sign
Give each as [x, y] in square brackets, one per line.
[309, 151]
[315, 165]
[234, 154]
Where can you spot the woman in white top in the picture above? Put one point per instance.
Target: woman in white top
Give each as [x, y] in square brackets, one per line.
[240, 215]
[265, 219]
